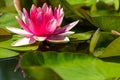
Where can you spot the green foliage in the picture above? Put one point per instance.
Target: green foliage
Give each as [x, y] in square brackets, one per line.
[97, 19]
[107, 23]
[94, 40]
[3, 32]
[2, 3]
[115, 2]
[112, 49]
[44, 72]
[69, 66]
[104, 40]
[81, 36]
[8, 19]
[24, 5]
[5, 53]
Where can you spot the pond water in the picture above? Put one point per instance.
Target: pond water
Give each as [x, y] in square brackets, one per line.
[7, 67]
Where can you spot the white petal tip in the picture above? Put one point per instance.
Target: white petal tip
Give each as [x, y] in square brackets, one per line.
[16, 17]
[9, 28]
[23, 42]
[67, 33]
[75, 22]
[65, 40]
[39, 38]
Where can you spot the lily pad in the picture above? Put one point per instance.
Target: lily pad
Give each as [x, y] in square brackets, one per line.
[94, 40]
[107, 23]
[5, 53]
[69, 66]
[3, 32]
[104, 40]
[113, 49]
[82, 2]
[8, 19]
[45, 73]
[82, 36]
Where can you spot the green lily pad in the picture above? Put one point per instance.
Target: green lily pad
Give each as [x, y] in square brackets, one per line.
[107, 23]
[104, 40]
[82, 2]
[69, 66]
[8, 19]
[4, 35]
[7, 44]
[5, 53]
[81, 36]
[113, 49]
[44, 73]
[94, 40]
[3, 32]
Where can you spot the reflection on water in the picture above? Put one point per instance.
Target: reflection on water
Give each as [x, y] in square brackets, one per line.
[7, 67]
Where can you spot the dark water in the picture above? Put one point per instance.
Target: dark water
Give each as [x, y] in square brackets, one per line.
[7, 67]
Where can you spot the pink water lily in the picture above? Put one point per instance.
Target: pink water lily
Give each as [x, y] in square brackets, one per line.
[42, 24]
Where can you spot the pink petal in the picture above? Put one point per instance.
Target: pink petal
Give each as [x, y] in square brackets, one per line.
[60, 19]
[51, 26]
[50, 11]
[33, 27]
[57, 11]
[67, 33]
[19, 31]
[23, 41]
[33, 12]
[23, 25]
[39, 38]
[25, 19]
[25, 16]
[67, 27]
[40, 21]
[58, 39]
[25, 12]
[39, 9]
[59, 14]
[45, 8]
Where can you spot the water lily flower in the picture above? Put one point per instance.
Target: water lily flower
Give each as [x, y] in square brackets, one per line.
[42, 24]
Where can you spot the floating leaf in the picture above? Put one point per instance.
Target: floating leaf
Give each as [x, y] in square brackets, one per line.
[113, 49]
[73, 11]
[94, 41]
[5, 53]
[82, 2]
[44, 73]
[4, 35]
[3, 32]
[69, 66]
[104, 40]
[107, 23]
[82, 36]
[8, 19]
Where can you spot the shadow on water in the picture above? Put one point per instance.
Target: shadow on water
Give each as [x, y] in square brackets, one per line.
[7, 67]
